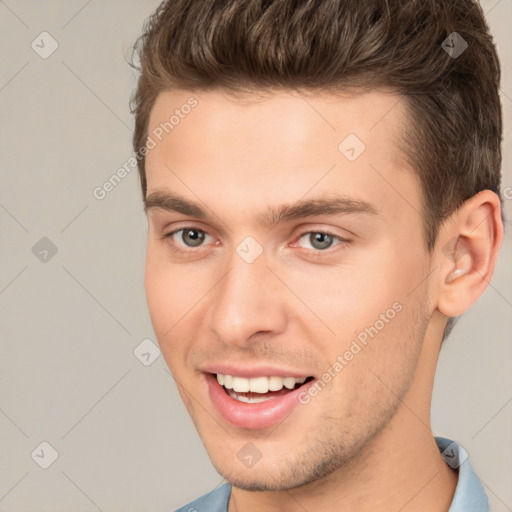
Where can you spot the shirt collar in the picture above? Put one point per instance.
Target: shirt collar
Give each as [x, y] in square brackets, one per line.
[469, 494]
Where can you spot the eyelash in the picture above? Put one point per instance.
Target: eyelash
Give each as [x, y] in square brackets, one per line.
[315, 252]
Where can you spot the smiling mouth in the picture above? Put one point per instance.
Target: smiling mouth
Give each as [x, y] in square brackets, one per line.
[258, 389]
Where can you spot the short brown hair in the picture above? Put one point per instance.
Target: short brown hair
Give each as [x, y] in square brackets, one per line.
[454, 135]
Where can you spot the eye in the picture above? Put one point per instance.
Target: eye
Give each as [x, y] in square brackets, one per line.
[320, 240]
[188, 237]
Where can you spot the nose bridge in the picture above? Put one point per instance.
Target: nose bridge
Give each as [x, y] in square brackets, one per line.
[245, 301]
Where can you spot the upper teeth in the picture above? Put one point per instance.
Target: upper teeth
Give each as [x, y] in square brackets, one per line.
[257, 384]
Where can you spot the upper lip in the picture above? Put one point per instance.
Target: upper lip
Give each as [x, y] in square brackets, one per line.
[248, 372]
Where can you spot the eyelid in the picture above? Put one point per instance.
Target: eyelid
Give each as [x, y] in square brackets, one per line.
[179, 226]
[169, 235]
[304, 231]
[341, 239]
[320, 227]
[165, 223]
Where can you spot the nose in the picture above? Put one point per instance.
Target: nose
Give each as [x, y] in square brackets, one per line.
[248, 303]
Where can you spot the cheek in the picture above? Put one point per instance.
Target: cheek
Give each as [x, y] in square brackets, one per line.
[364, 312]
[349, 297]
[158, 282]
[173, 294]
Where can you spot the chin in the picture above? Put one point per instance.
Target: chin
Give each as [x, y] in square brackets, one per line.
[280, 474]
[256, 481]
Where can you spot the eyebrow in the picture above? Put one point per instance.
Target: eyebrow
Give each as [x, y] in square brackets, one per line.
[337, 205]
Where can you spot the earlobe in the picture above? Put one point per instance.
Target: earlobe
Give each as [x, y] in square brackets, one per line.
[468, 249]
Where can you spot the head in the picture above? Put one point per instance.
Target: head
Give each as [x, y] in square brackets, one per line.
[326, 203]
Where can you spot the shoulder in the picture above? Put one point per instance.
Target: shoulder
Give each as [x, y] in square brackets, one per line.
[214, 501]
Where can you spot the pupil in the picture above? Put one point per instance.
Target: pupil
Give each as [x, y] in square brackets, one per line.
[193, 237]
[320, 240]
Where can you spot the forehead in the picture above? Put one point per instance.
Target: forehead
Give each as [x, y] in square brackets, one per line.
[381, 112]
[279, 146]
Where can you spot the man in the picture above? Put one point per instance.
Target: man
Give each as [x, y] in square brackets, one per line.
[321, 180]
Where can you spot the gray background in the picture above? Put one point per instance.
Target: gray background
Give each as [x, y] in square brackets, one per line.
[69, 326]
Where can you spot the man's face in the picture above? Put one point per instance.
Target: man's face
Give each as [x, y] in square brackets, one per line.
[337, 288]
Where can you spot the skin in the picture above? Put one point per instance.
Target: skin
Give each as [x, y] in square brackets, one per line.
[365, 441]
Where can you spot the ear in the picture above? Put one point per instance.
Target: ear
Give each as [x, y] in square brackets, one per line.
[467, 250]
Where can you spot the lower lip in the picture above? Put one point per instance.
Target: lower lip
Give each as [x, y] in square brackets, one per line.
[253, 416]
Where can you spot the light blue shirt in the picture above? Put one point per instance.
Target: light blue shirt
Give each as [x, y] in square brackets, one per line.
[469, 494]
